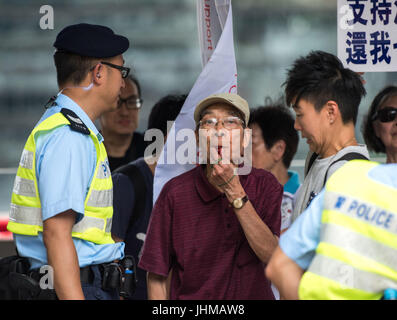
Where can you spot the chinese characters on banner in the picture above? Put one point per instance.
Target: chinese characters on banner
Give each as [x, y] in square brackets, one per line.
[367, 34]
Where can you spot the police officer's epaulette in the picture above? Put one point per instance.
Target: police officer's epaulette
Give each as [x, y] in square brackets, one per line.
[51, 102]
[75, 122]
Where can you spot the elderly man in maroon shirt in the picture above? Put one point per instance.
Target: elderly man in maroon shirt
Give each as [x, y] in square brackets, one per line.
[212, 231]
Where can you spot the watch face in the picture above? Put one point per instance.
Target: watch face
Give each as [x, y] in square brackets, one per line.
[238, 203]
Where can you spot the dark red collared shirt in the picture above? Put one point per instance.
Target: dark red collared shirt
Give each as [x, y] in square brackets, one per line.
[195, 232]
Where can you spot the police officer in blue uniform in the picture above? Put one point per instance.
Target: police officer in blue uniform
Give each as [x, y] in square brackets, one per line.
[65, 219]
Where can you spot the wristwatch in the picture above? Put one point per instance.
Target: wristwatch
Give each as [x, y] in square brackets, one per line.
[239, 202]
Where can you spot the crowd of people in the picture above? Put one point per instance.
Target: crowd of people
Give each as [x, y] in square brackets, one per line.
[82, 198]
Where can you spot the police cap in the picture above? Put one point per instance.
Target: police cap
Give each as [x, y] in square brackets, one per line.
[91, 40]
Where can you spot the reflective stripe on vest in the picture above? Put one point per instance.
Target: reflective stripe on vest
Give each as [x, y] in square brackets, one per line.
[24, 187]
[357, 254]
[25, 214]
[26, 159]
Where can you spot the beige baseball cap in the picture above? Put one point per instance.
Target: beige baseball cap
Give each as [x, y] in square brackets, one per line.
[229, 98]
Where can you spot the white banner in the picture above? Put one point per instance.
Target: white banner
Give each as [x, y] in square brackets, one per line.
[219, 75]
[367, 35]
[211, 18]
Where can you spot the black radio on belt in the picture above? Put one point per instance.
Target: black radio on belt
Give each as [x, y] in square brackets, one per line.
[129, 280]
[111, 278]
[121, 276]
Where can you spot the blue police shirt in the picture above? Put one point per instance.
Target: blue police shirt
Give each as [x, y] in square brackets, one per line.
[65, 164]
[300, 241]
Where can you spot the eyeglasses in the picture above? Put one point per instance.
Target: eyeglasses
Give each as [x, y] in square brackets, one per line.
[386, 114]
[227, 122]
[124, 70]
[130, 103]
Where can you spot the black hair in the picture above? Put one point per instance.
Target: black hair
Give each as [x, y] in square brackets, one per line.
[134, 80]
[277, 123]
[373, 142]
[166, 109]
[72, 67]
[320, 77]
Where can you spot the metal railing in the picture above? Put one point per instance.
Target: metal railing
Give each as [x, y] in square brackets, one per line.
[296, 164]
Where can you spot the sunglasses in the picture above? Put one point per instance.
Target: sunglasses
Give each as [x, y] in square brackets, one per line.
[386, 114]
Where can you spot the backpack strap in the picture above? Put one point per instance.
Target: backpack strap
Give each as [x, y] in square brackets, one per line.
[137, 180]
[347, 157]
[311, 161]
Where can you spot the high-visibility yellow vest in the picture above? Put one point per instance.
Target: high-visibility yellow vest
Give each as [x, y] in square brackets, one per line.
[25, 214]
[357, 254]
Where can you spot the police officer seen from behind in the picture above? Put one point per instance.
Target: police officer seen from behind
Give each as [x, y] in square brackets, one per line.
[61, 207]
[343, 246]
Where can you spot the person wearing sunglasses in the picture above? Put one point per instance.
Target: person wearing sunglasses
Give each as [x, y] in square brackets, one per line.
[123, 143]
[380, 124]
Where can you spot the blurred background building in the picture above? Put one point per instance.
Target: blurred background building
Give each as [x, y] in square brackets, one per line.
[269, 35]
